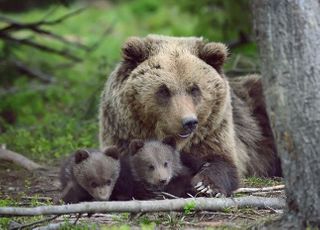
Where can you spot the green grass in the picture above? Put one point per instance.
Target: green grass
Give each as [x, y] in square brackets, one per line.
[262, 182]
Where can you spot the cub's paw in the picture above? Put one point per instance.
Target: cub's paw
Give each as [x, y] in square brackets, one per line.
[215, 181]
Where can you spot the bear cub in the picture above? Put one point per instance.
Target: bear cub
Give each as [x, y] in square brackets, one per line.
[149, 168]
[89, 174]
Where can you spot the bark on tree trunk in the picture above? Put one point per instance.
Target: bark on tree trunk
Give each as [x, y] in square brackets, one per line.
[288, 34]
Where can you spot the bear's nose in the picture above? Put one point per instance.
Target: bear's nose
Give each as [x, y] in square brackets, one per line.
[162, 182]
[190, 123]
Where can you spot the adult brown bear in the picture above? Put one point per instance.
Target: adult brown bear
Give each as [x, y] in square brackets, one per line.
[176, 86]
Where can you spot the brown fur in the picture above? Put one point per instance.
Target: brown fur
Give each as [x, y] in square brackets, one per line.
[150, 94]
[89, 174]
[150, 167]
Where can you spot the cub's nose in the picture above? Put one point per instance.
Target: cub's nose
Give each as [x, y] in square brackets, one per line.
[190, 123]
[162, 182]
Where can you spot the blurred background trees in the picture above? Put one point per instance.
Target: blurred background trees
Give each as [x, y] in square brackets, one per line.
[48, 101]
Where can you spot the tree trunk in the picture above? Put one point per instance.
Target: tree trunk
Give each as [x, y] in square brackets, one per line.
[288, 34]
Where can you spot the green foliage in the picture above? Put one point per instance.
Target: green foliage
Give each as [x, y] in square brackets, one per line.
[219, 19]
[48, 121]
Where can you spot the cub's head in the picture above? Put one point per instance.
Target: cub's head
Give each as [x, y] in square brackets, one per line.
[154, 163]
[96, 171]
[175, 85]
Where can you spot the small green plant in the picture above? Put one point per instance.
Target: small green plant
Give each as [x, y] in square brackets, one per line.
[227, 210]
[174, 220]
[148, 226]
[145, 220]
[79, 226]
[189, 207]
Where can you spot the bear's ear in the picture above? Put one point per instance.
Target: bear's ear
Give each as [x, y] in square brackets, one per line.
[112, 151]
[134, 50]
[214, 54]
[135, 145]
[80, 155]
[170, 140]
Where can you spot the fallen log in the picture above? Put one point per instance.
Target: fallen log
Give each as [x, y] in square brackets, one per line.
[135, 206]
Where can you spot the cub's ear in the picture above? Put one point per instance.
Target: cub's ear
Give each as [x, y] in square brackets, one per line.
[214, 54]
[80, 156]
[170, 140]
[134, 50]
[112, 151]
[135, 145]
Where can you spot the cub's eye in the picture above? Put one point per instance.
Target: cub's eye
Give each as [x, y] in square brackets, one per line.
[163, 93]
[94, 184]
[165, 164]
[108, 182]
[151, 167]
[194, 90]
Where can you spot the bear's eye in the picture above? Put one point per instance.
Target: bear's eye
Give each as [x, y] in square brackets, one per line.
[194, 90]
[151, 167]
[165, 164]
[108, 182]
[163, 94]
[94, 184]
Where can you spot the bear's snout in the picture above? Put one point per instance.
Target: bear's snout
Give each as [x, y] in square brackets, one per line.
[189, 123]
[162, 181]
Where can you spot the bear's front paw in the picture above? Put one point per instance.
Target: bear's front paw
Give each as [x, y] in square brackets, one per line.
[207, 190]
[215, 183]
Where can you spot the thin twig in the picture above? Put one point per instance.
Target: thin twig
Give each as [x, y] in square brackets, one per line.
[63, 17]
[36, 222]
[146, 206]
[265, 189]
[59, 38]
[165, 194]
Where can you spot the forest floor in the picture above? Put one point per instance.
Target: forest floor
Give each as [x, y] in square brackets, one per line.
[20, 187]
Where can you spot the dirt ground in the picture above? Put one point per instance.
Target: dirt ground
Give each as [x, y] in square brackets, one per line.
[41, 187]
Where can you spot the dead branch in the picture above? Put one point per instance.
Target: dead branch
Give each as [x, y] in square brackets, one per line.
[18, 159]
[27, 42]
[13, 25]
[32, 72]
[135, 206]
[265, 189]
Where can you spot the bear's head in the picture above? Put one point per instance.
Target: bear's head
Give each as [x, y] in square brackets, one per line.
[97, 172]
[175, 85]
[154, 163]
